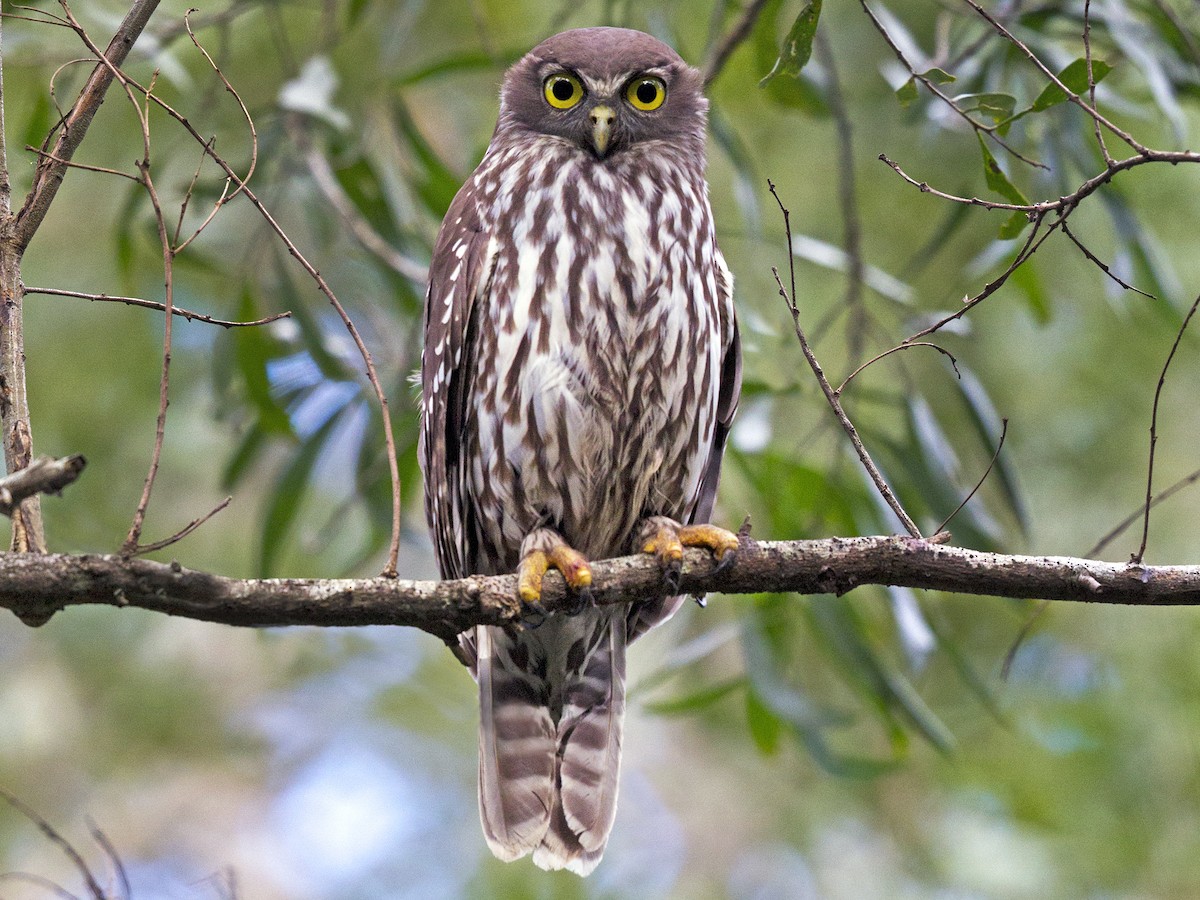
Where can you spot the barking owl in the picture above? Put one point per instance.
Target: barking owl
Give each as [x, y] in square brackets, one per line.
[581, 369]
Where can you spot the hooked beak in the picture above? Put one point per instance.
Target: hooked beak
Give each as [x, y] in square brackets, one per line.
[602, 120]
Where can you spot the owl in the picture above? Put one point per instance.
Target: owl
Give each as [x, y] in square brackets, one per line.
[580, 373]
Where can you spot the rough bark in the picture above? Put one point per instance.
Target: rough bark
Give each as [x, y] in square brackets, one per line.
[35, 586]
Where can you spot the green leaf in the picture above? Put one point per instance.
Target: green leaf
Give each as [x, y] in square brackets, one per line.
[1075, 77]
[288, 492]
[907, 93]
[765, 727]
[694, 701]
[994, 105]
[998, 182]
[746, 180]
[1026, 278]
[938, 76]
[253, 348]
[986, 421]
[434, 182]
[797, 46]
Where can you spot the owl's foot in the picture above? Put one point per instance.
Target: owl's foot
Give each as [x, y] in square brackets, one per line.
[542, 550]
[666, 538]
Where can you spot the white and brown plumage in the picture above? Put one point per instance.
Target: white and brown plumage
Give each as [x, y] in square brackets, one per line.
[580, 373]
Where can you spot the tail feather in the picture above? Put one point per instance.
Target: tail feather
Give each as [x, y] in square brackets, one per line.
[544, 787]
[516, 750]
[589, 739]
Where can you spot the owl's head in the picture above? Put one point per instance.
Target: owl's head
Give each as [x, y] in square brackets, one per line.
[605, 90]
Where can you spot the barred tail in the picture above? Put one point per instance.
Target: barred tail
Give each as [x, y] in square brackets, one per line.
[516, 748]
[589, 752]
[545, 788]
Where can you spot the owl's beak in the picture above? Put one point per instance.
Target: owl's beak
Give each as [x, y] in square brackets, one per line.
[602, 121]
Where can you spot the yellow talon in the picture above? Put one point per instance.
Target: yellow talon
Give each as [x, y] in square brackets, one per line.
[665, 544]
[534, 565]
[533, 569]
[718, 540]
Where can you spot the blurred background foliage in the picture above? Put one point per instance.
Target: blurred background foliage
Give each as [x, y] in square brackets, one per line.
[865, 746]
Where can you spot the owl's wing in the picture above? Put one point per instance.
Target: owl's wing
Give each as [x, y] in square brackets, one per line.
[458, 275]
[644, 616]
[729, 393]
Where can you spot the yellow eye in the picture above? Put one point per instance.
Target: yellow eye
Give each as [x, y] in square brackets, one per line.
[646, 93]
[563, 90]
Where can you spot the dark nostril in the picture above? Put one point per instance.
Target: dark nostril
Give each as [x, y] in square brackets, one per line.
[602, 115]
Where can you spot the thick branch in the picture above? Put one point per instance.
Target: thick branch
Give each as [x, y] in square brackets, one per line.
[36, 586]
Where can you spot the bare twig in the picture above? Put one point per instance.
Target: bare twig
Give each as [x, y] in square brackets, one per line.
[905, 346]
[1087, 55]
[1162, 379]
[1100, 264]
[49, 173]
[1032, 244]
[45, 475]
[184, 531]
[1123, 525]
[720, 52]
[831, 397]
[77, 860]
[113, 857]
[154, 304]
[322, 285]
[982, 478]
[1055, 80]
[132, 541]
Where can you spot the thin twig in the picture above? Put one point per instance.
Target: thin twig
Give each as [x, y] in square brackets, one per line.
[1123, 525]
[132, 541]
[720, 52]
[982, 478]
[113, 857]
[1162, 379]
[899, 347]
[49, 173]
[102, 170]
[1087, 55]
[161, 307]
[58, 840]
[1100, 264]
[834, 404]
[183, 532]
[1032, 244]
[390, 569]
[990, 130]
[1055, 80]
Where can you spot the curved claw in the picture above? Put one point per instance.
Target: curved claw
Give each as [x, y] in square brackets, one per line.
[672, 573]
[579, 600]
[533, 615]
[726, 560]
[666, 538]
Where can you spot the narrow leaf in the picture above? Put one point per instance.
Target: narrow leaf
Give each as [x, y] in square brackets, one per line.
[1075, 77]
[797, 47]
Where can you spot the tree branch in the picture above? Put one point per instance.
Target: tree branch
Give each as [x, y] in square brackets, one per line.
[35, 586]
[44, 475]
